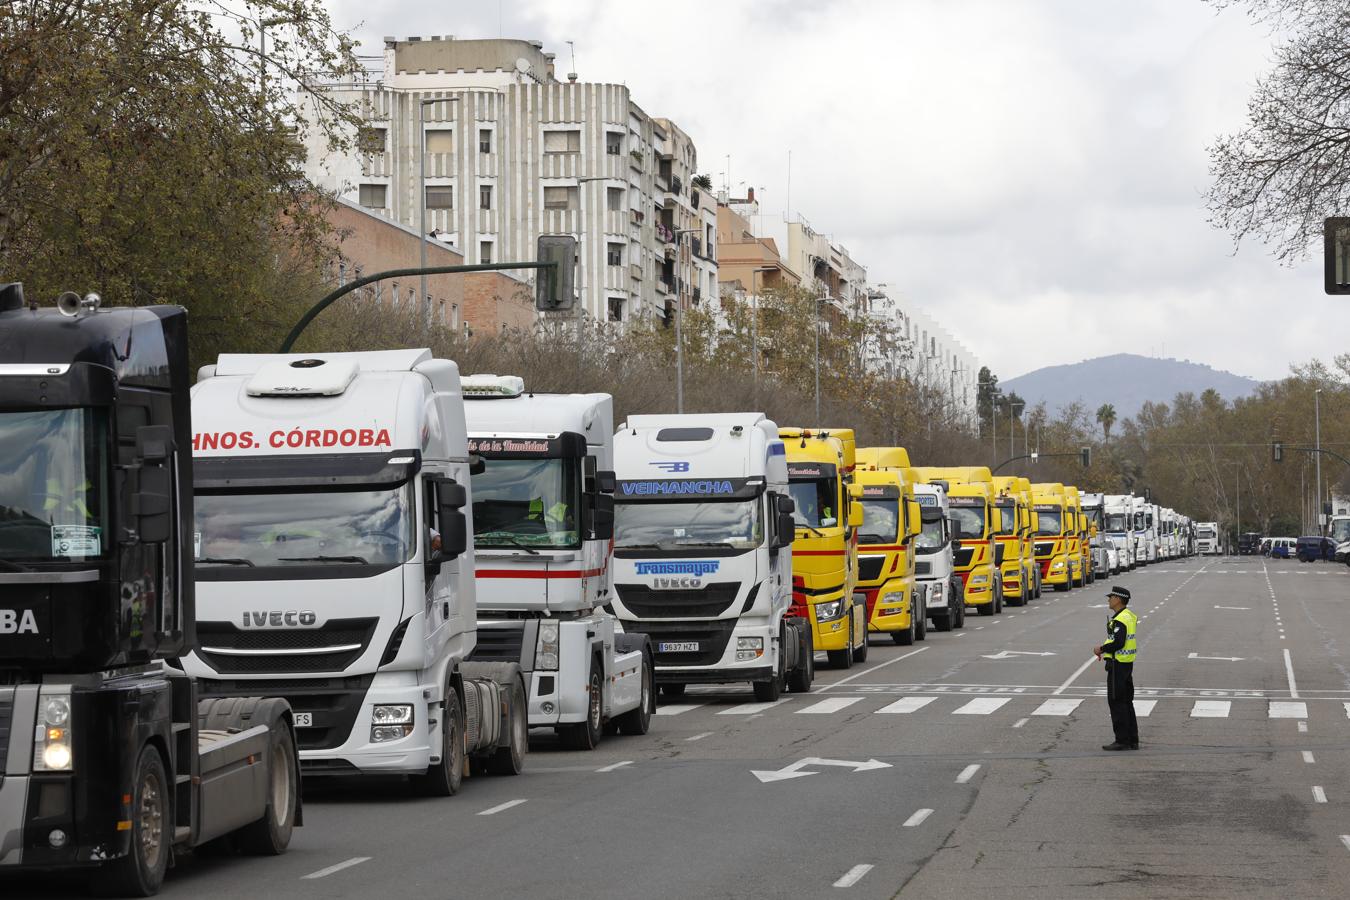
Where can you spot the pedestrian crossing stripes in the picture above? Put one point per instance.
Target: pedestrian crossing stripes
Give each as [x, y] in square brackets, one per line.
[1013, 707]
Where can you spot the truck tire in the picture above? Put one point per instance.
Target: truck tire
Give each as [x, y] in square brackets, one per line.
[800, 679]
[958, 613]
[769, 691]
[639, 721]
[586, 735]
[673, 689]
[860, 653]
[906, 637]
[843, 659]
[444, 779]
[943, 622]
[271, 834]
[921, 621]
[141, 872]
[510, 760]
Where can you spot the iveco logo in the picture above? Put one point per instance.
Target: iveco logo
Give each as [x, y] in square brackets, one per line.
[677, 584]
[17, 621]
[280, 618]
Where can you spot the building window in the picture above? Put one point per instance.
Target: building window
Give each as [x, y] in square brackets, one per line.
[485, 253]
[485, 196]
[560, 198]
[440, 140]
[440, 196]
[371, 140]
[614, 253]
[373, 196]
[613, 143]
[485, 140]
[562, 141]
[616, 309]
[614, 199]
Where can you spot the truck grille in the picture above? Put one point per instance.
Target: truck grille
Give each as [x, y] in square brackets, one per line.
[712, 638]
[499, 644]
[923, 568]
[1045, 548]
[333, 702]
[869, 567]
[345, 639]
[698, 603]
[963, 557]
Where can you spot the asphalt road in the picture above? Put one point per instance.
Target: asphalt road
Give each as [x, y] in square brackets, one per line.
[977, 772]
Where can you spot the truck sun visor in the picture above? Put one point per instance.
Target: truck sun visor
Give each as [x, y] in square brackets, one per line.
[317, 470]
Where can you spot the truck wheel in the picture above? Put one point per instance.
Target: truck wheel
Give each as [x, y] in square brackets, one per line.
[270, 835]
[921, 622]
[141, 872]
[443, 779]
[944, 623]
[769, 691]
[639, 721]
[799, 681]
[510, 760]
[672, 689]
[860, 653]
[843, 659]
[586, 735]
[906, 637]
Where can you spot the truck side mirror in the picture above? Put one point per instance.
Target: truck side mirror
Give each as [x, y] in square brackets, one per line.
[855, 513]
[451, 499]
[786, 505]
[606, 482]
[477, 464]
[913, 517]
[602, 517]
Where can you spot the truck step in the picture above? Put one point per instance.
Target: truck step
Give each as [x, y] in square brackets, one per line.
[182, 834]
[182, 779]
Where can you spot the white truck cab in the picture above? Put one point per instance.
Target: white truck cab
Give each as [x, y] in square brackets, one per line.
[1105, 557]
[333, 562]
[543, 518]
[933, 568]
[1119, 529]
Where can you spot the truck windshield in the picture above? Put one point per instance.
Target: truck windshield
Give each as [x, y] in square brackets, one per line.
[1007, 519]
[1117, 522]
[968, 521]
[881, 522]
[350, 527]
[816, 501]
[53, 484]
[1207, 533]
[673, 526]
[1340, 530]
[931, 537]
[1050, 522]
[526, 501]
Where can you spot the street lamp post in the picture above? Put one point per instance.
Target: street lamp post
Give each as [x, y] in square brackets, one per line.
[679, 338]
[263, 25]
[1014, 410]
[1317, 426]
[817, 364]
[754, 327]
[422, 197]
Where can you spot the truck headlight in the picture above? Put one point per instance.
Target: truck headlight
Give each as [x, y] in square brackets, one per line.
[935, 591]
[977, 580]
[390, 722]
[893, 597]
[52, 748]
[1057, 566]
[546, 651]
[830, 609]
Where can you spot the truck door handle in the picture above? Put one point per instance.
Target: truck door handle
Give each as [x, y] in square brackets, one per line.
[445, 609]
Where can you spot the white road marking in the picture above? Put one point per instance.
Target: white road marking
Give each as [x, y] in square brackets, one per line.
[1303, 727]
[501, 807]
[1211, 709]
[611, 768]
[1074, 677]
[1345, 839]
[873, 669]
[967, 773]
[345, 864]
[1289, 670]
[674, 709]
[981, 706]
[1286, 709]
[699, 737]
[1347, 709]
[1144, 708]
[1056, 707]
[750, 709]
[1020, 722]
[1232, 607]
[907, 705]
[1319, 795]
[828, 705]
[853, 875]
[962, 634]
[1308, 757]
[917, 818]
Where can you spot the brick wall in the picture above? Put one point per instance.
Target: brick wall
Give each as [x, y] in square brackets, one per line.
[495, 301]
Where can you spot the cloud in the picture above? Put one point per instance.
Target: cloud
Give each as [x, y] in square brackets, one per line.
[1032, 172]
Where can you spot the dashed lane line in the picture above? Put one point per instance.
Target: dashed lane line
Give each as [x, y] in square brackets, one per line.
[828, 705]
[967, 773]
[918, 818]
[674, 709]
[699, 737]
[1319, 795]
[501, 807]
[853, 875]
[345, 864]
[613, 767]
[1308, 757]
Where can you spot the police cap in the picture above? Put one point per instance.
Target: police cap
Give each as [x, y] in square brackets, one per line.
[1117, 591]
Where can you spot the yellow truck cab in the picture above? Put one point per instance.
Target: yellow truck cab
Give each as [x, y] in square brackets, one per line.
[886, 550]
[820, 465]
[1052, 544]
[970, 499]
[1012, 526]
[1073, 532]
[1029, 554]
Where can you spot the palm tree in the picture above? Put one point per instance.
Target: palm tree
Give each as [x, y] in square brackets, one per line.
[1106, 416]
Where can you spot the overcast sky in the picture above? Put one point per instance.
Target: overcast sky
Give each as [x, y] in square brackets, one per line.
[1030, 171]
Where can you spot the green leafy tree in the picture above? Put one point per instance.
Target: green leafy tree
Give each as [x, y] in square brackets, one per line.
[1106, 417]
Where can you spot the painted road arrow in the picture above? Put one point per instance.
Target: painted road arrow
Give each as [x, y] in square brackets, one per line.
[795, 769]
[1009, 654]
[1219, 658]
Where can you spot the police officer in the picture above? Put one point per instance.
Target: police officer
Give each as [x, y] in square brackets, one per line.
[1119, 653]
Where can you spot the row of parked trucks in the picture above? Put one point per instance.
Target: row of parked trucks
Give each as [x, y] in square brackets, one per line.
[366, 563]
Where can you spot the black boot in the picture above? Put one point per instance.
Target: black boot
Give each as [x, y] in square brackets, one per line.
[1116, 746]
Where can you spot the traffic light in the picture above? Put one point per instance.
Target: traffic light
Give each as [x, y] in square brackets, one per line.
[1085, 456]
[1277, 451]
[1336, 255]
[555, 288]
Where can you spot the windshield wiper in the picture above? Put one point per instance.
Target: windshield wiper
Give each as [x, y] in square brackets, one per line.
[325, 559]
[514, 542]
[226, 560]
[810, 529]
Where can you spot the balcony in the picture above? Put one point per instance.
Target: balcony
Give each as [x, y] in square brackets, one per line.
[638, 216]
[664, 233]
[636, 159]
[635, 271]
[676, 185]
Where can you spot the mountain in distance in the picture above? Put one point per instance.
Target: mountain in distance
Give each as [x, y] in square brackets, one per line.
[1126, 381]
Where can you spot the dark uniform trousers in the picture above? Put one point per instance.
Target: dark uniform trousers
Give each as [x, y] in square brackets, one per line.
[1120, 699]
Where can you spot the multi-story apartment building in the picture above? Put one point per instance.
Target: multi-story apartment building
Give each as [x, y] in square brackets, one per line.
[512, 153]
[924, 352]
[827, 269]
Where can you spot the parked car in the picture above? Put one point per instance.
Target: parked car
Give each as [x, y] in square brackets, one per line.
[1281, 548]
[1249, 543]
[1312, 547]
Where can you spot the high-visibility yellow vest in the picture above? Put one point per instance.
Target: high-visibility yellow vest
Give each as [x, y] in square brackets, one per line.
[1127, 653]
[554, 515]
